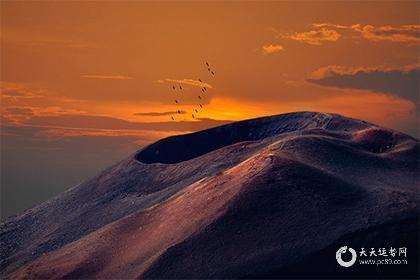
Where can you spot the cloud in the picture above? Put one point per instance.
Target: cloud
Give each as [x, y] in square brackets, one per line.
[111, 123]
[329, 25]
[269, 49]
[190, 82]
[32, 38]
[332, 32]
[314, 37]
[158, 114]
[22, 111]
[107, 77]
[402, 34]
[399, 82]
[16, 91]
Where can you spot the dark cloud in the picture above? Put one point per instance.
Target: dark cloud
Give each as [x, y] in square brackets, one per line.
[101, 122]
[401, 83]
[158, 114]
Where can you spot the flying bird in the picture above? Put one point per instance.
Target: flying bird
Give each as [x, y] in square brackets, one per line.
[172, 118]
[208, 69]
[180, 87]
[212, 73]
[202, 89]
[176, 101]
[173, 87]
[205, 89]
[199, 97]
[207, 64]
[201, 106]
[196, 110]
[200, 80]
[179, 112]
[193, 116]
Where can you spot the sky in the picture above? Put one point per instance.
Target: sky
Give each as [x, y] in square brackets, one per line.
[86, 84]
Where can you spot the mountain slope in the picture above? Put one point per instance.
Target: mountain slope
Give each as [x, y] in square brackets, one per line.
[248, 199]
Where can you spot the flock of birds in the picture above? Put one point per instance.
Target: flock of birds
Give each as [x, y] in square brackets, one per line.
[199, 96]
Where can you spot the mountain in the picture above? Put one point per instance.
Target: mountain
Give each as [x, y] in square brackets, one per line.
[269, 197]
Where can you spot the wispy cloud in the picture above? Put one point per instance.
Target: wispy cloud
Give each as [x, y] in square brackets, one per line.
[269, 49]
[190, 82]
[107, 77]
[329, 25]
[111, 123]
[26, 37]
[332, 32]
[20, 101]
[314, 37]
[20, 111]
[402, 34]
[158, 114]
[18, 91]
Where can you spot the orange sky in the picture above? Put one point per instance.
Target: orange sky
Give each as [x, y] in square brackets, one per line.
[108, 58]
[105, 69]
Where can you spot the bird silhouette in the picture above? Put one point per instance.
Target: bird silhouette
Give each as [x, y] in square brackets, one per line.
[203, 90]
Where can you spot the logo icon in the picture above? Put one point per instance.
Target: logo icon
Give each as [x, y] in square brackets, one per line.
[343, 250]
